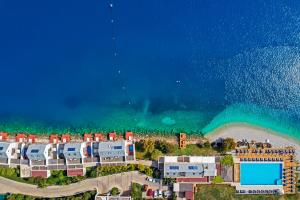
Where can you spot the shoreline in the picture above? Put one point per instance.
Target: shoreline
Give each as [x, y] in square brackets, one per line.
[239, 131]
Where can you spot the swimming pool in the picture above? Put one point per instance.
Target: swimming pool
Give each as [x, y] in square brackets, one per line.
[261, 174]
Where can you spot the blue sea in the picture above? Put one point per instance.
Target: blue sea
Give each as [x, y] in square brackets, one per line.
[153, 65]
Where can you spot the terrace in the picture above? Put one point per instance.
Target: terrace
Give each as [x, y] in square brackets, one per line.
[266, 155]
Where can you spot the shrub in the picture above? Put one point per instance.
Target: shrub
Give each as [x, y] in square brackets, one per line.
[155, 154]
[227, 160]
[217, 179]
[114, 191]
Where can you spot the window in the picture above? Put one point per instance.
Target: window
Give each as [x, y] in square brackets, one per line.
[174, 167]
[1, 148]
[117, 147]
[34, 151]
[71, 149]
[193, 167]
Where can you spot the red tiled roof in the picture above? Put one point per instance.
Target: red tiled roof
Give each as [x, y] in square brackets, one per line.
[4, 136]
[88, 136]
[66, 138]
[112, 135]
[39, 174]
[54, 137]
[128, 134]
[75, 172]
[32, 138]
[99, 136]
[203, 179]
[20, 136]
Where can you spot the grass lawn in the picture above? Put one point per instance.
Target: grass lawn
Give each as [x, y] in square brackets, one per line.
[195, 150]
[225, 192]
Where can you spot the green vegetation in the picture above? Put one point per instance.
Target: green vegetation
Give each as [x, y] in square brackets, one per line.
[136, 191]
[83, 196]
[156, 154]
[169, 181]
[217, 179]
[225, 192]
[195, 150]
[114, 191]
[149, 149]
[227, 160]
[228, 144]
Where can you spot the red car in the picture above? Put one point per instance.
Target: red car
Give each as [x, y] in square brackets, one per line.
[150, 193]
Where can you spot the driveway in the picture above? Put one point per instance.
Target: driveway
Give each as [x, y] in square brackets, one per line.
[102, 184]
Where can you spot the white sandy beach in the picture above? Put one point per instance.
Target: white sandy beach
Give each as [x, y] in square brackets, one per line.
[248, 132]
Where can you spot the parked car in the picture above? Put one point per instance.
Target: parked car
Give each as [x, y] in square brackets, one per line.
[167, 194]
[145, 187]
[150, 193]
[159, 193]
[149, 179]
[155, 194]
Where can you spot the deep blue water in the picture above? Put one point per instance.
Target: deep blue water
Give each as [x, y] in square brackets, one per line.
[57, 58]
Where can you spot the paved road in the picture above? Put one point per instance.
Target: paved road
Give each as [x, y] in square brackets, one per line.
[103, 184]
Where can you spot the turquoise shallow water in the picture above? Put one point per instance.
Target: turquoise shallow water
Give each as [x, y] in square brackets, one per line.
[150, 66]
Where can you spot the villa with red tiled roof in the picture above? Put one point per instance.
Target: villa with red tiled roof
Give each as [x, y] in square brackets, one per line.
[88, 137]
[99, 137]
[3, 136]
[65, 138]
[20, 137]
[54, 139]
[112, 136]
[129, 135]
[32, 138]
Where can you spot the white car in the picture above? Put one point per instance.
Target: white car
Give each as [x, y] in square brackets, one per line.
[150, 179]
[167, 194]
[155, 194]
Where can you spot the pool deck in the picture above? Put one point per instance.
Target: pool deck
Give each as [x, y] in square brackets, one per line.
[268, 155]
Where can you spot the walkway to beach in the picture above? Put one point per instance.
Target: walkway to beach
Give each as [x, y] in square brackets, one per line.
[102, 184]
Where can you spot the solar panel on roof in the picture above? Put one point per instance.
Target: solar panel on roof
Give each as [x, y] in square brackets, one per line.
[34, 151]
[174, 167]
[1, 148]
[193, 167]
[117, 147]
[71, 149]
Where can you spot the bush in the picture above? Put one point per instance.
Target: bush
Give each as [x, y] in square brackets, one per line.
[227, 160]
[217, 179]
[114, 191]
[156, 154]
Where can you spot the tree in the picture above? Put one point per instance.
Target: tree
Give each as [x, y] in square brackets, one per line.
[164, 146]
[207, 144]
[227, 160]
[114, 191]
[217, 179]
[228, 144]
[148, 146]
[155, 154]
